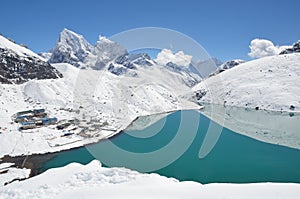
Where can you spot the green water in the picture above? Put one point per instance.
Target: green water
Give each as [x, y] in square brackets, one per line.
[235, 158]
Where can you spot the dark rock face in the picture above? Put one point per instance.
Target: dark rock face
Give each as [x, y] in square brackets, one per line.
[127, 63]
[15, 69]
[117, 70]
[141, 59]
[63, 57]
[227, 65]
[130, 60]
[123, 60]
[294, 49]
[174, 67]
[199, 94]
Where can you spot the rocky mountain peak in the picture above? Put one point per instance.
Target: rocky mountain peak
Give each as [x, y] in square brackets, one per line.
[71, 48]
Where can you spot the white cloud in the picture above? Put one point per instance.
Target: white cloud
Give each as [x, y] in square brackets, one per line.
[262, 48]
[178, 58]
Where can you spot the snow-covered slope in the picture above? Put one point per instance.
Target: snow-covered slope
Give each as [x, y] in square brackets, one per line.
[270, 83]
[19, 64]
[94, 181]
[19, 50]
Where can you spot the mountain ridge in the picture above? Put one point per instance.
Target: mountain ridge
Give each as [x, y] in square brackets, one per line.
[19, 64]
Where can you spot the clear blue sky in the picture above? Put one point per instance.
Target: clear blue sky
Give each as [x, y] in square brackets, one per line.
[223, 28]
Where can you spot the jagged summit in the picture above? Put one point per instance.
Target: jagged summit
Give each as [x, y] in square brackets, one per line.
[105, 51]
[71, 48]
[104, 39]
[74, 49]
[74, 40]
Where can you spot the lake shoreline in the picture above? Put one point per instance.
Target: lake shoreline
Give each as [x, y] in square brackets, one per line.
[35, 162]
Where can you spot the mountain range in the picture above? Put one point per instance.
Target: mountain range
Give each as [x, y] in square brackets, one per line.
[103, 87]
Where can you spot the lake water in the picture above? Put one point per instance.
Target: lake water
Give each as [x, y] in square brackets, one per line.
[234, 159]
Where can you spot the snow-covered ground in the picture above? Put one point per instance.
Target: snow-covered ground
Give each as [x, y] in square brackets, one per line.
[93, 181]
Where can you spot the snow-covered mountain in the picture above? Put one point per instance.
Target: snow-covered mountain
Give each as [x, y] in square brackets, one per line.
[231, 64]
[294, 49]
[269, 83]
[18, 64]
[190, 78]
[106, 50]
[227, 65]
[108, 55]
[73, 48]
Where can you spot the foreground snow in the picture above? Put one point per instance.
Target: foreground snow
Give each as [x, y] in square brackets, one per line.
[93, 181]
[10, 173]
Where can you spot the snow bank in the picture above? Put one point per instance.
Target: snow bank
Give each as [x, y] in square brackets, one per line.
[93, 181]
[10, 173]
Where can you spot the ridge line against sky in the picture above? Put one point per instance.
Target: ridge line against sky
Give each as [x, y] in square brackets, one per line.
[224, 28]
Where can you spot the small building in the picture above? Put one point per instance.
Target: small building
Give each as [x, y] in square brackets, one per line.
[24, 112]
[23, 118]
[28, 125]
[48, 121]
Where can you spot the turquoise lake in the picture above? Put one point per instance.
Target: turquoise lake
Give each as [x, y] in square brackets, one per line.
[234, 159]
